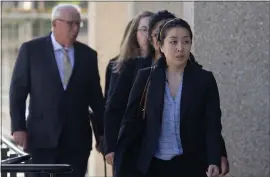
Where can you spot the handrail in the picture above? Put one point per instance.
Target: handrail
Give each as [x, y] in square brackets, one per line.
[12, 146]
[36, 168]
[11, 165]
[16, 160]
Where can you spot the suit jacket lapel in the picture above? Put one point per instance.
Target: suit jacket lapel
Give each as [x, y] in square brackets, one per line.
[52, 64]
[156, 98]
[187, 89]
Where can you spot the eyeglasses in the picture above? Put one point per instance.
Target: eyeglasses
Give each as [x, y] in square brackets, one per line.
[145, 30]
[71, 23]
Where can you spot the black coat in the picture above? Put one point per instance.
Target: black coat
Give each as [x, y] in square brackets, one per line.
[200, 121]
[117, 98]
[108, 74]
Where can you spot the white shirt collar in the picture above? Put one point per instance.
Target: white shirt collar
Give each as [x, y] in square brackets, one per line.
[56, 45]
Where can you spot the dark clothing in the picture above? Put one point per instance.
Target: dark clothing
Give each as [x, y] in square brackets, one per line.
[179, 166]
[108, 74]
[200, 127]
[56, 113]
[121, 85]
[118, 94]
[113, 81]
[62, 155]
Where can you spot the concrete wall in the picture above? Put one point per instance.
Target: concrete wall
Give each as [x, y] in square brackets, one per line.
[232, 40]
[174, 7]
[107, 22]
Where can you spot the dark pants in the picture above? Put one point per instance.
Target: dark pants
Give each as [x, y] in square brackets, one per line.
[63, 154]
[176, 167]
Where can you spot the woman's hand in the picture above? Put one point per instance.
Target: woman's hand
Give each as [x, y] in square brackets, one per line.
[213, 171]
[109, 158]
[225, 168]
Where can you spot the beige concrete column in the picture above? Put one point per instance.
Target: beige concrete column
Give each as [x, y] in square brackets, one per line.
[174, 7]
[188, 15]
[107, 21]
[131, 10]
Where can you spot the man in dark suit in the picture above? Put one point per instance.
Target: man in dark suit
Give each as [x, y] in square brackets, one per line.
[62, 79]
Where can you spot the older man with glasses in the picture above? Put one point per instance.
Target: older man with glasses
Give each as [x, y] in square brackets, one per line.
[62, 79]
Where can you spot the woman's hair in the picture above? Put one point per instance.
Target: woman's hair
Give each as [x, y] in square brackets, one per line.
[154, 20]
[172, 23]
[130, 47]
[125, 32]
[176, 22]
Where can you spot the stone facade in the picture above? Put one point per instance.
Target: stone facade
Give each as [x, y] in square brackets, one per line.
[232, 40]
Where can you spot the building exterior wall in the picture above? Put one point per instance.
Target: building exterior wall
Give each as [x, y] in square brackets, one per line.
[174, 7]
[107, 22]
[232, 40]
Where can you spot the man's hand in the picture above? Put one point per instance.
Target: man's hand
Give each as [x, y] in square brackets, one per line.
[225, 168]
[109, 158]
[212, 171]
[20, 138]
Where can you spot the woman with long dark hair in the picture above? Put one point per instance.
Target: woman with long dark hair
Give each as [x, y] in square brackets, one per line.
[172, 123]
[124, 80]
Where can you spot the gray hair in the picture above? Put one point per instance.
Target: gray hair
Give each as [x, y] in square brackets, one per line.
[56, 11]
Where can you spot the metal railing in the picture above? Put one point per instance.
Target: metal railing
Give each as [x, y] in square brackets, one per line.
[15, 161]
[51, 169]
[11, 145]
